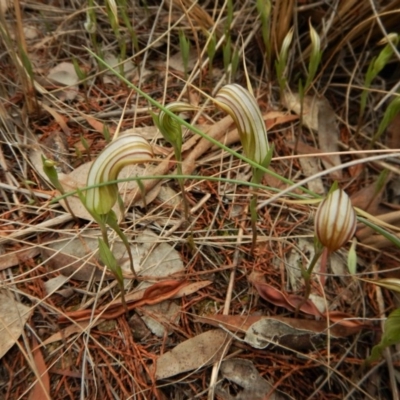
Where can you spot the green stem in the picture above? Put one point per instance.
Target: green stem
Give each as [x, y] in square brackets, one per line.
[306, 274]
[253, 214]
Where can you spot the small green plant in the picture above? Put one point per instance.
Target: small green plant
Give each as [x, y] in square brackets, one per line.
[123, 6]
[184, 45]
[49, 168]
[211, 50]
[315, 57]
[376, 65]
[264, 11]
[281, 62]
[392, 110]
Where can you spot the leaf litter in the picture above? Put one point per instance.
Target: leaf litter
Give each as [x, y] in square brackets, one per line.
[206, 249]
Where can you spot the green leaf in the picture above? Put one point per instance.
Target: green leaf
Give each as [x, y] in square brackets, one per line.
[352, 258]
[391, 336]
[389, 236]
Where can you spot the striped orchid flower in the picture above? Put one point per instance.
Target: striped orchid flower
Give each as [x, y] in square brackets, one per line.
[242, 107]
[125, 150]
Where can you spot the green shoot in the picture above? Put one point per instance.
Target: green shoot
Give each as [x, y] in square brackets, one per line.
[184, 44]
[391, 111]
[376, 65]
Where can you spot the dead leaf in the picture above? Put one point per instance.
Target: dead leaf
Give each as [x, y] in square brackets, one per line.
[297, 334]
[368, 198]
[274, 118]
[176, 61]
[244, 374]
[194, 353]
[290, 302]
[319, 116]
[65, 74]
[55, 147]
[13, 317]
[57, 117]
[97, 125]
[77, 327]
[4, 6]
[41, 388]
[12, 258]
[159, 317]
[114, 62]
[154, 294]
[75, 257]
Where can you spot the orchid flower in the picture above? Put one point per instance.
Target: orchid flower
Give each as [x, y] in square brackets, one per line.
[125, 150]
[242, 107]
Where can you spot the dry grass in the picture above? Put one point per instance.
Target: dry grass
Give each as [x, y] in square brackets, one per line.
[114, 359]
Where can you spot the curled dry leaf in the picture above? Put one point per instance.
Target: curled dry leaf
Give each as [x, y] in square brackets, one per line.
[294, 333]
[194, 353]
[290, 302]
[152, 295]
[244, 374]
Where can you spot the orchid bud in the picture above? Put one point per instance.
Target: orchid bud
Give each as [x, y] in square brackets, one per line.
[243, 108]
[335, 221]
[169, 126]
[125, 150]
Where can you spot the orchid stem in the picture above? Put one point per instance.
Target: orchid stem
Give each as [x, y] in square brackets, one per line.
[306, 273]
[253, 214]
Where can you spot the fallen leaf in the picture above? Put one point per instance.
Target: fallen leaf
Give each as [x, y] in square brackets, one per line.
[41, 388]
[76, 327]
[53, 285]
[75, 257]
[244, 374]
[154, 294]
[176, 61]
[4, 6]
[290, 302]
[298, 334]
[319, 116]
[368, 198]
[160, 317]
[65, 74]
[55, 147]
[194, 353]
[113, 61]
[13, 317]
[12, 258]
[97, 125]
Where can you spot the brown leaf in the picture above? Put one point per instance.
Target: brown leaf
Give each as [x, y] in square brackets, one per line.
[77, 327]
[241, 323]
[97, 125]
[13, 316]
[41, 388]
[194, 353]
[243, 373]
[368, 198]
[290, 302]
[13, 258]
[153, 295]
